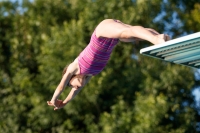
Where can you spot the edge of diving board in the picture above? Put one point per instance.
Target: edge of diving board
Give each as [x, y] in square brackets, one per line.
[184, 50]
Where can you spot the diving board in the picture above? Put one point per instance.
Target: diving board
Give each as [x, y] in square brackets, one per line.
[184, 50]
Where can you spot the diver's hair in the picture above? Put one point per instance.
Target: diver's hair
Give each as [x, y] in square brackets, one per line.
[64, 70]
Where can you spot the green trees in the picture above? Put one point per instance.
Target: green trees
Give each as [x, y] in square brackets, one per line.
[133, 94]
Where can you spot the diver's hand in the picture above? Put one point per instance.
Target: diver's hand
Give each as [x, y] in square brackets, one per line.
[58, 104]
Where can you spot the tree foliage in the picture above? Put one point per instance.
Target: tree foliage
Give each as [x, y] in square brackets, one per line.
[133, 94]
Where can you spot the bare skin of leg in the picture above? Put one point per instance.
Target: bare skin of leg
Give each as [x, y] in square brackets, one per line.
[152, 31]
[140, 32]
[112, 29]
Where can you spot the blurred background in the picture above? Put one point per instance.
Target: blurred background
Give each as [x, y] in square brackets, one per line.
[134, 93]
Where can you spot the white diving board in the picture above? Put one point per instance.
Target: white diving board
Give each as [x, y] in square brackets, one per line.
[184, 50]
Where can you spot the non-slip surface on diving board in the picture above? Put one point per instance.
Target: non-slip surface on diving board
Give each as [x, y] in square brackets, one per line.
[184, 50]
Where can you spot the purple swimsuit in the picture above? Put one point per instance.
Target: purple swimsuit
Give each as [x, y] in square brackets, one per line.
[95, 56]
